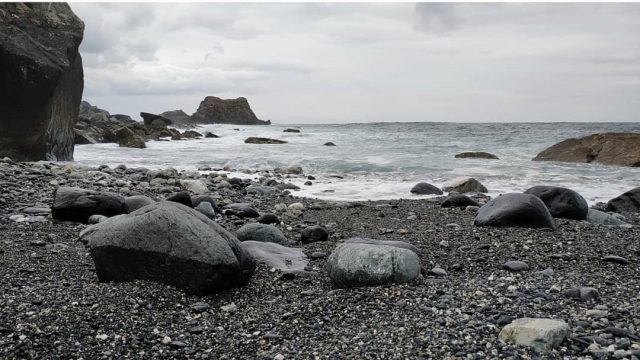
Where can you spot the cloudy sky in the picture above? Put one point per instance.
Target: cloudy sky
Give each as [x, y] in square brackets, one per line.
[365, 62]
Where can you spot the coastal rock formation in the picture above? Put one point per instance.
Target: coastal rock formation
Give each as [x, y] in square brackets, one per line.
[261, 140]
[356, 265]
[423, 188]
[291, 130]
[561, 202]
[627, 202]
[621, 149]
[41, 80]
[263, 233]
[149, 119]
[169, 243]
[519, 210]
[75, 204]
[178, 117]
[464, 184]
[476, 155]
[213, 110]
[127, 138]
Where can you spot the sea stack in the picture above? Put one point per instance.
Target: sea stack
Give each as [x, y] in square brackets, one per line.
[213, 110]
[41, 80]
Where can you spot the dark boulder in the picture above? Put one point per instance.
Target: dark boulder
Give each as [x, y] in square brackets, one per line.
[190, 134]
[314, 233]
[291, 130]
[214, 110]
[177, 117]
[476, 155]
[517, 210]
[561, 202]
[627, 202]
[263, 233]
[127, 138]
[136, 202]
[148, 119]
[41, 80]
[182, 197]
[268, 218]
[329, 144]
[459, 200]
[423, 188]
[169, 243]
[197, 199]
[261, 140]
[75, 204]
[210, 135]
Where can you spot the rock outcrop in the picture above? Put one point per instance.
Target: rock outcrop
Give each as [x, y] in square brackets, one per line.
[213, 110]
[178, 117]
[41, 80]
[621, 149]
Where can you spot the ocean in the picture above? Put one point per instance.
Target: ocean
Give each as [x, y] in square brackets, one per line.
[379, 161]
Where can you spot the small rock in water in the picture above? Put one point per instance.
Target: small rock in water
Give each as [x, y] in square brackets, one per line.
[515, 265]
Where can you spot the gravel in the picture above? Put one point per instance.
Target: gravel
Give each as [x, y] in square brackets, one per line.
[52, 305]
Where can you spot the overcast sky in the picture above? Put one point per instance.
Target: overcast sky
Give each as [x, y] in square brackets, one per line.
[365, 62]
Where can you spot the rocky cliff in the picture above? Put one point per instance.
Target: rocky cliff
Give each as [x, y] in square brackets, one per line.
[41, 80]
[213, 110]
[621, 149]
[178, 117]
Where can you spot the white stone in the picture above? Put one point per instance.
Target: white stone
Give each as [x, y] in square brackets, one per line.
[195, 186]
[542, 335]
[295, 209]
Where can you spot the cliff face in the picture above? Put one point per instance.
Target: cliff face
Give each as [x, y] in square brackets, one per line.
[41, 80]
[621, 149]
[213, 110]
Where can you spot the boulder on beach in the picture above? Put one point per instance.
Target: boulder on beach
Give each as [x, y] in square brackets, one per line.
[394, 243]
[621, 149]
[602, 218]
[314, 233]
[181, 197]
[127, 138]
[542, 335]
[136, 202]
[198, 186]
[356, 265]
[41, 80]
[263, 140]
[75, 204]
[476, 155]
[277, 256]
[261, 190]
[517, 210]
[149, 119]
[423, 188]
[214, 110]
[169, 243]
[200, 198]
[458, 200]
[561, 202]
[268, 218]
[464, 184]
[627, 202]
[263, 233]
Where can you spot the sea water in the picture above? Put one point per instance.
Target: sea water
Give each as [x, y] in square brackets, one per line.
[379, 161]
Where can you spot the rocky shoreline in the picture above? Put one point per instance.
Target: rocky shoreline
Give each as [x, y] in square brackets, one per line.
[53, 305]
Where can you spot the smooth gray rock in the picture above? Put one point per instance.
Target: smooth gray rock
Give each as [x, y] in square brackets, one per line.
[314, 233]
[561, 202]
[515, 266]
[261, 190]
[583, 293]
[170, 243]
[600, 217]
[75, 204]
[94, 219]
[357, 264]
[277, 256]
[423, 188]
[263, 233]
[542, 335]
[394, 243]
[197, 199]
[458, 200]
[520, 210]
[206, 209]
[136, 202]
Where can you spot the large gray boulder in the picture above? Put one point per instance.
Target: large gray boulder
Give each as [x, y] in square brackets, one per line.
[394, 243]
[169, 243]
[41, 80]
[75, 204]
[561, 202]
[520, 210]
[424, 188]
[356, 265]
[277, 256]
[602, 218]
[263, 233]
[627, 202]
[136, 202]
[542, 335]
